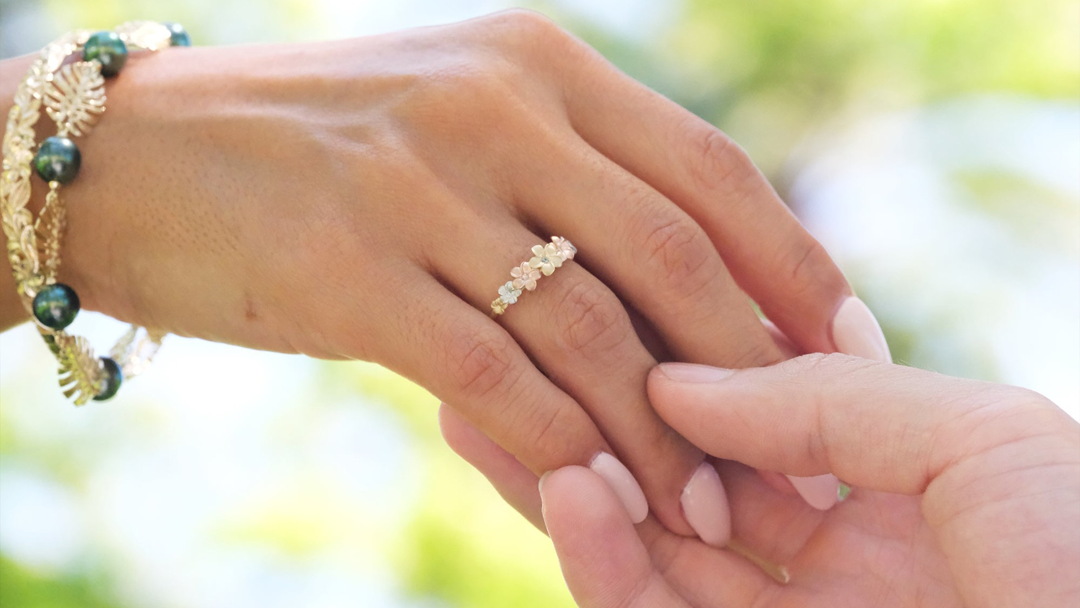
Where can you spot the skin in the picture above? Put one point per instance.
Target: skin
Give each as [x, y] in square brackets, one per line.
[364, 199]
[967, 494]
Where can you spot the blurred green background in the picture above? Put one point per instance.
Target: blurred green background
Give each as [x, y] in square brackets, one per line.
[932, 145]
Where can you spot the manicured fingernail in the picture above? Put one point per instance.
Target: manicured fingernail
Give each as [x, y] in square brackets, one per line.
[624, 485]
[855, 331]
[705, 505]
[542, 478]
[820, 491]
[691, 372]
[843, 492]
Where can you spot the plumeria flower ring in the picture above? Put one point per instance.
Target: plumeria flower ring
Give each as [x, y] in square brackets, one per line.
[509, 293]
[525, 277]
[546, 258]
[565, 248]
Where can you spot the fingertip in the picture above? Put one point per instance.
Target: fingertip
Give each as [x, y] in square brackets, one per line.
[821, 492]
[573, 495]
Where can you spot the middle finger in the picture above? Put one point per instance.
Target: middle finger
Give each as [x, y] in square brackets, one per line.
[580, 336]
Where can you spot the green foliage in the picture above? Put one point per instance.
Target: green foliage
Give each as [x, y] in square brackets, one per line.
[20, 587]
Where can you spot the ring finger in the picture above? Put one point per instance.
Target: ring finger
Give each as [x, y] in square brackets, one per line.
[579, 334]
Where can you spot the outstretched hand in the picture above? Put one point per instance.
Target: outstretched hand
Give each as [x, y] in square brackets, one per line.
[370, 198]
[967, 493]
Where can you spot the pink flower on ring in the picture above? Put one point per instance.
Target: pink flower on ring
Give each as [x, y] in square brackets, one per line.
[564, 247]
[546, 258]
[525, 277]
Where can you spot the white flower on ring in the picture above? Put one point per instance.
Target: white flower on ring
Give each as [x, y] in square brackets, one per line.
[564, 247]
[546, 258]
[524, 277]
[509, 293]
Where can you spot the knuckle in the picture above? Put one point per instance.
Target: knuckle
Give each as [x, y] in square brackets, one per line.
[717, 163]
[481, 363]
[680, 255]
[807, 259]
[518, 23]
[528, 37]
[589, 319]
[548, 429]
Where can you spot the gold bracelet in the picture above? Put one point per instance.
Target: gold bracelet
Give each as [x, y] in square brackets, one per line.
[74, 98]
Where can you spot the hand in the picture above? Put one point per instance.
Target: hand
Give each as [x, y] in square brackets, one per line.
[967, 493]
[366, 199]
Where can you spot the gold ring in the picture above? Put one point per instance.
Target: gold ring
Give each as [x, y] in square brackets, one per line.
[545, 259]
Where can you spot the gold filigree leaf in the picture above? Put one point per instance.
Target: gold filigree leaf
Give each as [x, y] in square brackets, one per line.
[54, 55]
[149, 35]
[136, 349]
[75, 97]
[81, 375]
[49, 228]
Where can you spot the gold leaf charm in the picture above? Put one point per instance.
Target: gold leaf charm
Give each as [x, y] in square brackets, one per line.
[148, 35]
[75, 97]
[81, 375]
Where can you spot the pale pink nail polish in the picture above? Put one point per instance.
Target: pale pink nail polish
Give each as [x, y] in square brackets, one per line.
[820, 491]
[622, 482]
[855, 331]
[691, 372]
[705, 505]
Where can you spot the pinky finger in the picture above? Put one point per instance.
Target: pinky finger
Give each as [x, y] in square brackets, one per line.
[511, 479]
[602, 557]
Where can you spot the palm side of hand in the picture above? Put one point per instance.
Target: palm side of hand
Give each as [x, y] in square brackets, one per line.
[981, 510]
[875, 549]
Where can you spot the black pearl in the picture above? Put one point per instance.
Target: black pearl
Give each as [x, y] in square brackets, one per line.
[113, 379]
[108, 49]
[55, 306]
[178, 36]
[57, 160]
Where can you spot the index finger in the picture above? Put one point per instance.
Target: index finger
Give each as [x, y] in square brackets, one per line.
[770, 254]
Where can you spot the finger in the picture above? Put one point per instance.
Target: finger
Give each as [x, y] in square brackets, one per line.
[651, 253]
[876, 425]
[605, 563]
[465, 358]
[580, 336]
[694, 565]
[788, 349]
[772, 524]
[602, 557]
[695, 165]
[511, 479]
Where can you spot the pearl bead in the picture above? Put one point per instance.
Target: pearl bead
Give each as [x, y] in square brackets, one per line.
[55, 306]
[113, 379]
[108, 49]
[178, 35]
[58, 160]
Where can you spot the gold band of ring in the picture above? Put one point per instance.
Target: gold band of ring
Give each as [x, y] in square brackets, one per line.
[546, 258]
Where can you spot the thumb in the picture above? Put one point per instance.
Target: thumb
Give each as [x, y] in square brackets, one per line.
[875, 425]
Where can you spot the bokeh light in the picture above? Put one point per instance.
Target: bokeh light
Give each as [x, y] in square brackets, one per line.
[932, 145]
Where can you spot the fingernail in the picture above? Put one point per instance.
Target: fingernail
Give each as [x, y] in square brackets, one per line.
[691, 372]
[820, 491]
[855, 331]
[705, 506]
[540, 485]
[622, 482]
